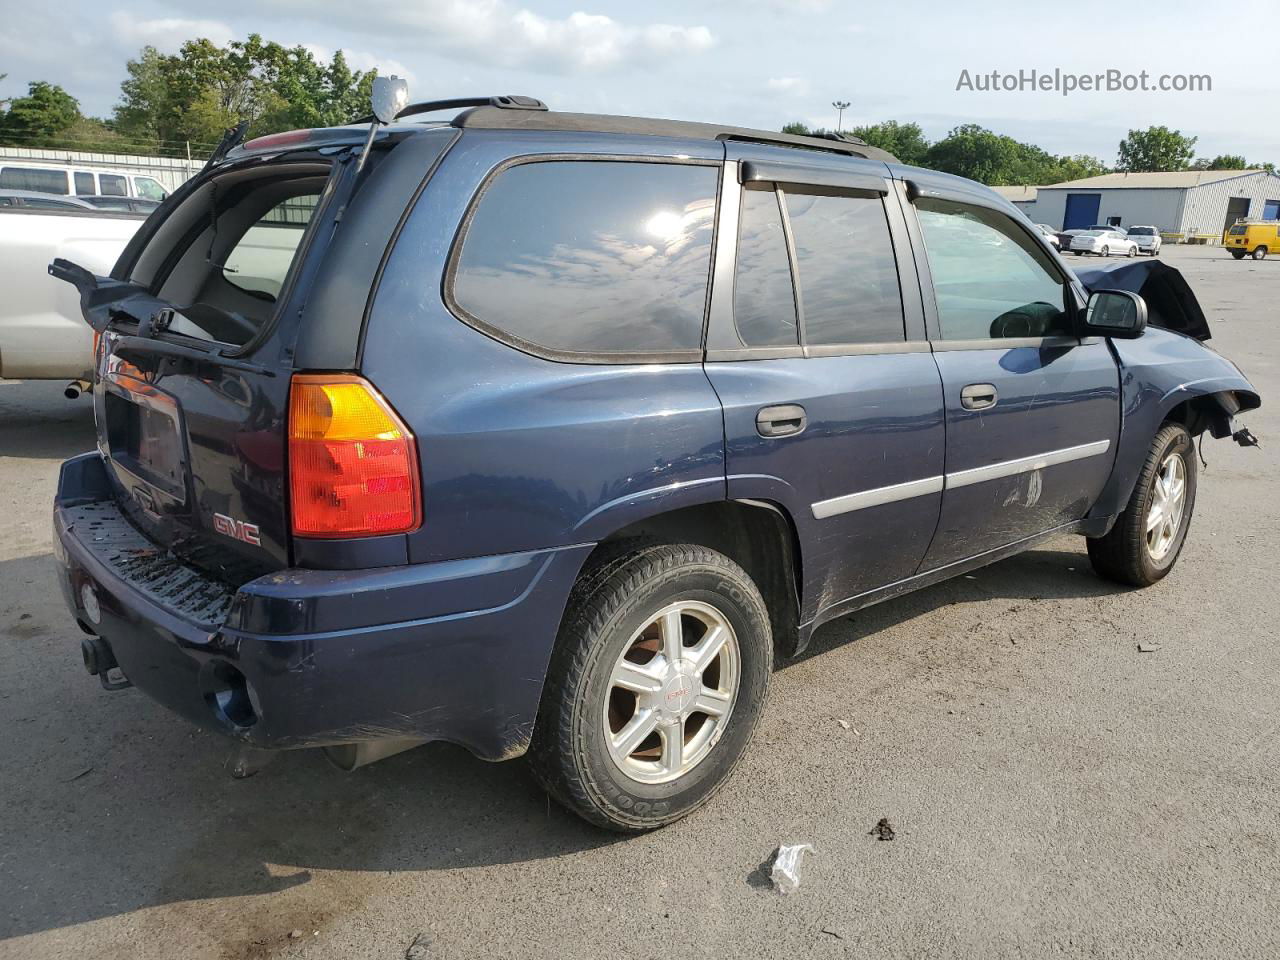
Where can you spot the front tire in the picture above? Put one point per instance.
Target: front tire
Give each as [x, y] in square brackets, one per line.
[1106, 251]
[1148, 536]
[1237, 254]
[658, 679]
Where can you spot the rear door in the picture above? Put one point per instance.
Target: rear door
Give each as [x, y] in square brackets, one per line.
[816, 348]
[1032, 411]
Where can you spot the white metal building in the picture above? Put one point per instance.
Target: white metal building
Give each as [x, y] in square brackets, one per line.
[1024, 198]
[1190, 202]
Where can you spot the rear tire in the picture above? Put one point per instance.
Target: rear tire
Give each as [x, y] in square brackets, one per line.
[1133, 252]
[1259, 253]
[1106, 252]
[627, 735]
[1148, 536]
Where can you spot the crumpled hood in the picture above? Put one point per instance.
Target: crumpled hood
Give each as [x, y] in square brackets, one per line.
[1170, 301]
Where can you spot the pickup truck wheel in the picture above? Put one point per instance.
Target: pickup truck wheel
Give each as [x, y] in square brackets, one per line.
[1145, 542]
[659, 676]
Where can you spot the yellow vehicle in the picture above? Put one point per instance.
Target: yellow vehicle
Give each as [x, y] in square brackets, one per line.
[1254, 237]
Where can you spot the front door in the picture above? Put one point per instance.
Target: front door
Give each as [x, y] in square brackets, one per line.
[832, 402]
[1032, 412]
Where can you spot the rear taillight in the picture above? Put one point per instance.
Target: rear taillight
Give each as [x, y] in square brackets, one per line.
[353, 464]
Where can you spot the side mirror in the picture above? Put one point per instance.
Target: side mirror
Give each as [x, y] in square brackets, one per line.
[1115, 313]
[390, 95]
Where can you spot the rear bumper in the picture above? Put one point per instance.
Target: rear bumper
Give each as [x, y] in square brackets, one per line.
[456, 650]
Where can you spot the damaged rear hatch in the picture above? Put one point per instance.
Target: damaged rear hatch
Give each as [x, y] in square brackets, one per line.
[197, 327]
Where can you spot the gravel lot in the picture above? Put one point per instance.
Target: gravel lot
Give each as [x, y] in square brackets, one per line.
[1054, 790]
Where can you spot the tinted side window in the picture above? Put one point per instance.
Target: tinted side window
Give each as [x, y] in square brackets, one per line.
[84, 183]
[990, 279]
[32, 178]
[113, 185]
[149, 187]
[592, 257]
[764, 304]
[846, 268]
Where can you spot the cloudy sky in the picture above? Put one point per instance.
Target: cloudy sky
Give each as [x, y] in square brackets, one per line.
[747, 62]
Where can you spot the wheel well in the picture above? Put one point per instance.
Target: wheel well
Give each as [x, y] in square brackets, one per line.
[758, 536]
[1210, 412]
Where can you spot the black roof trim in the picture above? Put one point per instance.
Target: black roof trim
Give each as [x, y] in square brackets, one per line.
[492, 118]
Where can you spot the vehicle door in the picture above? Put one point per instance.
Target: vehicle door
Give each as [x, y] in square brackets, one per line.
[817, 350]
[1032, 410]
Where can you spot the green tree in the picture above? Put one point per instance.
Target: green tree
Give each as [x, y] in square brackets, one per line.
[45, 112]
[195, 94]
[1228, 161]
[975, 152]
[906, 141]
[1156, 148]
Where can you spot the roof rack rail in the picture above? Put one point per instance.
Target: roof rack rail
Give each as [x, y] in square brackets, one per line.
[839, 137]
[509, 102]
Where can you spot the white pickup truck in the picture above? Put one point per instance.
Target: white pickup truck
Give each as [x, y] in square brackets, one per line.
[42, 334]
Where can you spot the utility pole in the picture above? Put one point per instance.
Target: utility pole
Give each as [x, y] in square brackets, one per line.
[841, 106]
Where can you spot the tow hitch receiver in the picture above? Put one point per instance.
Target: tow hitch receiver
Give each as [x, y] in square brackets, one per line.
[101, 663]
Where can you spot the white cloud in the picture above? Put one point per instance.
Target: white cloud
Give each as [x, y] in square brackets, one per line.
[362, 60]
[793, 86]
[499, 33]
[167, 34]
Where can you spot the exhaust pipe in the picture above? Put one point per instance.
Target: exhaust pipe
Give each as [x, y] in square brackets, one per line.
[73, 389]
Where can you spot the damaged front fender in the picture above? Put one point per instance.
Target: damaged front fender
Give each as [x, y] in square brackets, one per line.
[1170, 376]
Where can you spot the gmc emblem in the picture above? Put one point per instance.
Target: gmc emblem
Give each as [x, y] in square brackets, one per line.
[237, 529]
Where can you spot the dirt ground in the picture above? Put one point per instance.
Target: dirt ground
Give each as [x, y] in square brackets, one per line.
[1054, 791]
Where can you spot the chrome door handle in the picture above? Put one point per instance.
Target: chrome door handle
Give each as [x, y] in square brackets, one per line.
[979, 396]
[783, 420]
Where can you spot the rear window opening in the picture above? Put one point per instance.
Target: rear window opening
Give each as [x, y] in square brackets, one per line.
[224, 258]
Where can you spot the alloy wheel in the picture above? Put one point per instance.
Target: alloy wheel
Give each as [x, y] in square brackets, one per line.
[1168, 500]
[671, 693]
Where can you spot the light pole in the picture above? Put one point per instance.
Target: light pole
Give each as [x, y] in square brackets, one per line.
[841, 106]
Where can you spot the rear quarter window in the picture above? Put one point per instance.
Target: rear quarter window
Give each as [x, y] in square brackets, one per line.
[32, 178]
[113, 185]
[590, 258]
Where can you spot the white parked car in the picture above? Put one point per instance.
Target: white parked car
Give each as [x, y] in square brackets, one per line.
[1147, 239]
[1050, 234]
[1104, 243]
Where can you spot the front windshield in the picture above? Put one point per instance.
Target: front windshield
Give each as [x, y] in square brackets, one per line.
[1142, 232]
[1093, 233]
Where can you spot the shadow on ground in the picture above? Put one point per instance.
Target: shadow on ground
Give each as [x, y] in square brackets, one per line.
[137, 805]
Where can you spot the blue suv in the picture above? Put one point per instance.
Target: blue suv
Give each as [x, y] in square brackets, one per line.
[547, 433]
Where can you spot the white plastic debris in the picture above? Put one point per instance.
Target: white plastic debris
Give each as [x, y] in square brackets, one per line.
[785, 872]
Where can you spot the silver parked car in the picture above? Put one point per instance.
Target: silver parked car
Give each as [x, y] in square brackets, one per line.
[1103, 243]
[1147, 239]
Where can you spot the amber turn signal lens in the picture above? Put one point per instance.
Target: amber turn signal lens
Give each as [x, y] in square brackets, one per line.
[353, 464]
